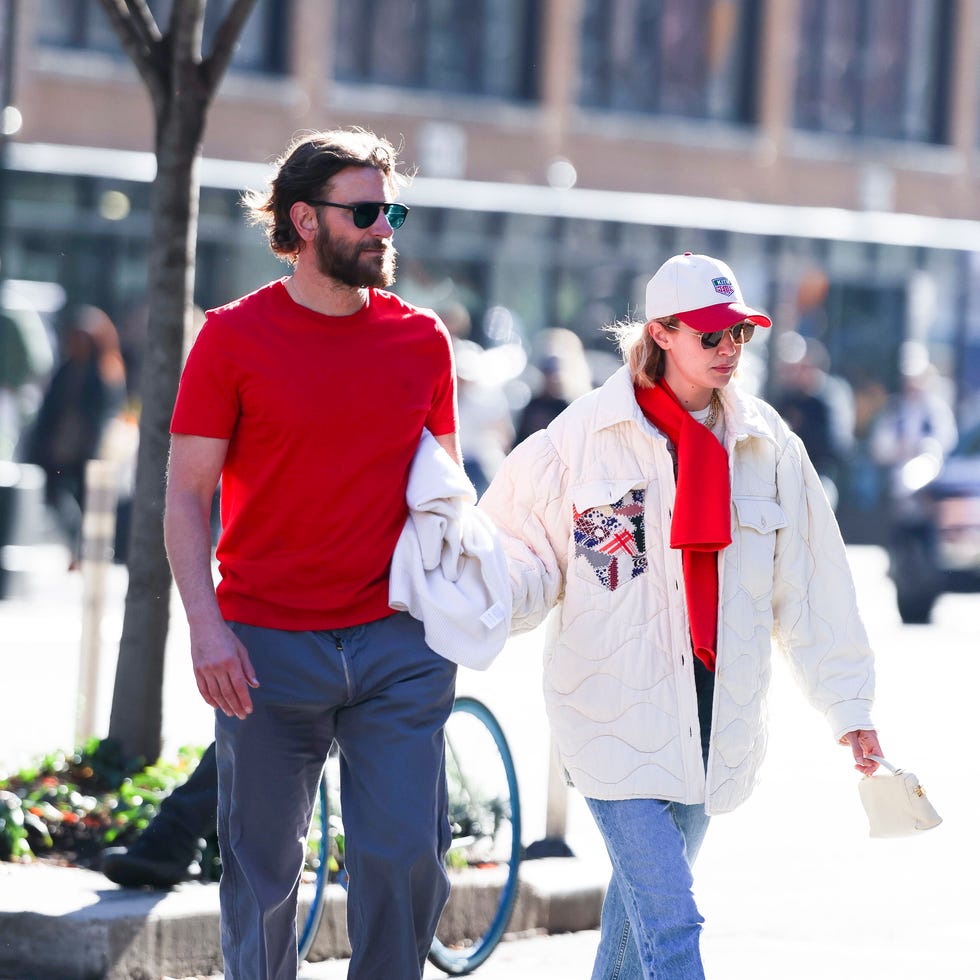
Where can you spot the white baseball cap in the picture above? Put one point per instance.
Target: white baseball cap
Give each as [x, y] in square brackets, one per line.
[701, 291]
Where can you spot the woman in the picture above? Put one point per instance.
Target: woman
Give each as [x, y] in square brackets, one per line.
[679, 526]
[84, 393]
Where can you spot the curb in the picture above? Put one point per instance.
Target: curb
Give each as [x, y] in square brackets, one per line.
[75, 924]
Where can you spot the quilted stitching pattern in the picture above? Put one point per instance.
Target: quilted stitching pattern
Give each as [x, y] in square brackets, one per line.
[618, 685]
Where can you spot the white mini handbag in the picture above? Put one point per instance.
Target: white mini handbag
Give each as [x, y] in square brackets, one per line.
[896, 804]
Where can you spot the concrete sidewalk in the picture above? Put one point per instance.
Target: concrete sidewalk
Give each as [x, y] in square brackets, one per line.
[71, 924]
[59, 923]
[789, 884]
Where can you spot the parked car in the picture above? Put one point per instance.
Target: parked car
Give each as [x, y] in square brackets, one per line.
[935, 540]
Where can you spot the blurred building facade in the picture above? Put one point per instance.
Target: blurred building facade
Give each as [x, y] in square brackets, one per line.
[829, 149]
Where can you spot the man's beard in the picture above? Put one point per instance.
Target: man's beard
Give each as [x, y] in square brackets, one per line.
[355, 265]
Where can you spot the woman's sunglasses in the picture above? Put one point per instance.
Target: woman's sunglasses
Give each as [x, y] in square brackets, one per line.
[366, 214]
[741, 334]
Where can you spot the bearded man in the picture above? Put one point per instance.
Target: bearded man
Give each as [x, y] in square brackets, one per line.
[307, 399]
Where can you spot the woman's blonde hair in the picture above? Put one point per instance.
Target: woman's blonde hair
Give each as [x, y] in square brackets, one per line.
[645, 358]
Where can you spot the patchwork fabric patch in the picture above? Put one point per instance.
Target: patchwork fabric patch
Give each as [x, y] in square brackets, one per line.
[610, 539]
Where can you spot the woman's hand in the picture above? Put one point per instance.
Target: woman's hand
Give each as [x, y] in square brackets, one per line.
[863, 743]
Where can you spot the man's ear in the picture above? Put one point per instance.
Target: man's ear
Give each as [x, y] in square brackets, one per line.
[305, 220]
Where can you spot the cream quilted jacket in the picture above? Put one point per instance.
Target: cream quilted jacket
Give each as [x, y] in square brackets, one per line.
[584, 511]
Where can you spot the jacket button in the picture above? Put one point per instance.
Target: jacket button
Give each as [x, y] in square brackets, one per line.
[763, 522]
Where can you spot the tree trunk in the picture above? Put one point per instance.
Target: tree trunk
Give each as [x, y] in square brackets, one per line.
[137, 701]
[182, 88]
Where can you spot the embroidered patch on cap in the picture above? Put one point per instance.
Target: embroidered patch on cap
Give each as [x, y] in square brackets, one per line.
[723, 285]
[610, 540]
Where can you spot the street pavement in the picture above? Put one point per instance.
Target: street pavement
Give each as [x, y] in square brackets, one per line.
[562, 957]
[790, 884]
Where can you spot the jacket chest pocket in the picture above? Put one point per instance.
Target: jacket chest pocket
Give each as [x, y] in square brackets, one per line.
[759, 518]
[608, 535]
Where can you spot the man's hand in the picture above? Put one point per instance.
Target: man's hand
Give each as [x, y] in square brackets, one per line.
[863, 744]
[223, 670]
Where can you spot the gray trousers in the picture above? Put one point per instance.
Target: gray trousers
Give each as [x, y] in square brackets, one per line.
[385, 697]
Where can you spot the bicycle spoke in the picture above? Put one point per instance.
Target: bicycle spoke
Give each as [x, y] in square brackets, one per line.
[483, 858]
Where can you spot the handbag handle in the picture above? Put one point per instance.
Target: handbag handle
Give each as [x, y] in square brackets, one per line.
[884, 762]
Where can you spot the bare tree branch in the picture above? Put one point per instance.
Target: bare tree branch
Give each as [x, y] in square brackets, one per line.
[185, 31]
[143, 21]
[186, 28]
[217, 61]
[140, 39]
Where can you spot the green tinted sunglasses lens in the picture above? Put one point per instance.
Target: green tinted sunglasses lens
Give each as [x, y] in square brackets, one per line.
[396, 214]
[365, 215]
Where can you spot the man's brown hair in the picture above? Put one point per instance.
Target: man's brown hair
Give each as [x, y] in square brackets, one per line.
[304, 172]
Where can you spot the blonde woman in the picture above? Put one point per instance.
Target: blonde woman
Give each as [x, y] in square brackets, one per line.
[679, 527]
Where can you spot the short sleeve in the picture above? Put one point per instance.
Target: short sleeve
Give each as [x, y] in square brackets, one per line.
[443, 417]
[207, 397]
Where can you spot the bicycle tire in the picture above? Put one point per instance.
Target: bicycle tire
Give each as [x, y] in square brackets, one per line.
[308, 926]
[458, 960]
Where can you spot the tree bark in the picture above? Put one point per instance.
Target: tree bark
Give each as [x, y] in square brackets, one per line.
[182, 88]
[137, 704]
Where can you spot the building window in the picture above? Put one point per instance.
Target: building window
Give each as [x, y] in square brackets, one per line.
[471, 47]
[875, 68]
[76, 24]
[83, 25]
[689, 58]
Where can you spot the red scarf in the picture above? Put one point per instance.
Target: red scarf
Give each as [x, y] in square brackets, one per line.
[702, 521]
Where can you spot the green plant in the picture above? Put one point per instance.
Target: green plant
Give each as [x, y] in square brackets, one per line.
[69, 806]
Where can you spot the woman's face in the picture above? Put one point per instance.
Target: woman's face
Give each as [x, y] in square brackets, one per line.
[691, 371]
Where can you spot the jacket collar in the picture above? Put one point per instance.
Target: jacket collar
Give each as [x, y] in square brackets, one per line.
[742, 416]
[616, 404]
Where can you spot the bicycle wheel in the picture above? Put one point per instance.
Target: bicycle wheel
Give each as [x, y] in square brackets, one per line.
[483, 860]
[315, 871]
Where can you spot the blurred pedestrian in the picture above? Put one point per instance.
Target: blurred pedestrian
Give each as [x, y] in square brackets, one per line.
[680, 527]
[817, 406]
[86, 390]
[165, 852]
[308, 398]
[917, 423]
[563, 373]
[486, 429]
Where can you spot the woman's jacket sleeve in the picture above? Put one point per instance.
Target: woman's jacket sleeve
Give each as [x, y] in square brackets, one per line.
[526, 501]
[814, 602]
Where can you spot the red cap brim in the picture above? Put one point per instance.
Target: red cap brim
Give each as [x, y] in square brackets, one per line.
[721, 316]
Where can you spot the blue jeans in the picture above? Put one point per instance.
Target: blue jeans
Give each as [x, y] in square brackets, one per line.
[651, 926]
[384, 696]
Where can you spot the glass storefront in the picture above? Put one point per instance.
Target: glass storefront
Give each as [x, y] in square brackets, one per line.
[508, 275]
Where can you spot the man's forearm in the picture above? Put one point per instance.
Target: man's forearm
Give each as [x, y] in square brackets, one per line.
[187, 534]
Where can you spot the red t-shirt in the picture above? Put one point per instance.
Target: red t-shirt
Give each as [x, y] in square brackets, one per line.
[323, 415]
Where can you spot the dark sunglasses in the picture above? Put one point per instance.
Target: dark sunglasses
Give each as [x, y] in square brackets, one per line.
[366, 214]
[741, 334]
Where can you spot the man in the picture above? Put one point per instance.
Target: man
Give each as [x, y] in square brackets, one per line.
[308, 399]
[164, 854]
